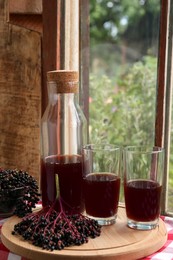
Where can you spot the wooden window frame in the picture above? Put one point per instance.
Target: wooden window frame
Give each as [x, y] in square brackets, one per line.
[164, 90]
[164, 95]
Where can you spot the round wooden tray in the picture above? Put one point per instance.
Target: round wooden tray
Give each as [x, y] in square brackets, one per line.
[116, 242]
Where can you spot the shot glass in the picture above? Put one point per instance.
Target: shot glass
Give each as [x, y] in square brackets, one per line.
[143, 174]
[101, 178]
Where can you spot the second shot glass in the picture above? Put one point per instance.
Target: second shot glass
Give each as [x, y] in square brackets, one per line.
[101, 175]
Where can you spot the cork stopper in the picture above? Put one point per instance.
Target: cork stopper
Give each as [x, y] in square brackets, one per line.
[65, 80]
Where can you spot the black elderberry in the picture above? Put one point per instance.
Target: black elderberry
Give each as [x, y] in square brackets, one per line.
[10, 181]
[52, 230]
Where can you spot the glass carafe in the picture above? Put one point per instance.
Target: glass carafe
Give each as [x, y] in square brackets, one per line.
[64, 131]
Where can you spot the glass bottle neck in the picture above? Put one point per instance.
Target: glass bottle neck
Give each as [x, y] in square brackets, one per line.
[54, 95]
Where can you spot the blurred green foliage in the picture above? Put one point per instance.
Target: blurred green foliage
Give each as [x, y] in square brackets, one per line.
[114, 20]
[124, 112]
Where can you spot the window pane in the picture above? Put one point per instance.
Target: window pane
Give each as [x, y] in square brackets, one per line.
[124, 38]
[123, 70]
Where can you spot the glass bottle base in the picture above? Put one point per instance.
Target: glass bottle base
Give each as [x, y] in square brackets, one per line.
[142, 225]
[105, 221]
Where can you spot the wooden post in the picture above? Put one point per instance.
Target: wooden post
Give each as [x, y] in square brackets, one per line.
[168, 112]
[50, 43]
[84, 43]
[161, 85]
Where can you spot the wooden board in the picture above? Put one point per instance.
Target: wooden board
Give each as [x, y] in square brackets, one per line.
[116, 242]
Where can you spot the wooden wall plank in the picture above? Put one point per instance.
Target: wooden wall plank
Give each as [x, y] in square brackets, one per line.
[25, 6]
[20, 102]
[29, 21]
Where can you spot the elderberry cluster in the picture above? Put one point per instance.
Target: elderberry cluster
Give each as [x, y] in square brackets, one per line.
[10, 181]
[52, 230]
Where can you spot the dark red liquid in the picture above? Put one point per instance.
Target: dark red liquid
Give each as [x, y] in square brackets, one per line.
[69, 171]
[142, 200]
[101, 194]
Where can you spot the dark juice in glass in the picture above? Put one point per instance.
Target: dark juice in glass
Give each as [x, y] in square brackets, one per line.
[69, 172]
[142, 199]
[101, 194]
